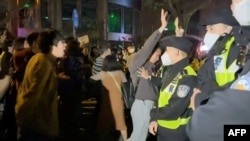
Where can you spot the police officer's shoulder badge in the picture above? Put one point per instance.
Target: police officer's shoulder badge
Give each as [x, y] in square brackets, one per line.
[183, 90]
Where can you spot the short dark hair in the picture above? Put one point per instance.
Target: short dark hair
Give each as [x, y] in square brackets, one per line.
[46, 39]
[32, 38]
[44, 42]
[110, 63]
[73, 48]
[104, 46]
[56, 36]
[18, 43]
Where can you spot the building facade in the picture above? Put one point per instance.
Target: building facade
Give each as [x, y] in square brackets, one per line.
[115, 20]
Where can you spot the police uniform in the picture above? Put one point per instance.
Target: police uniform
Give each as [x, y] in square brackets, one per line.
[226, 107]
[221, 66]
[173, 109]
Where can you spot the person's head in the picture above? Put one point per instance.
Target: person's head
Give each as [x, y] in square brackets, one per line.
[105, 49]
[51, 42]
[58, 45]
[18, 43]
[110, 63]
[94, 51]
[72, 48]
[218, 23]
[176, 49]
[131, 49]
[69, 39]
[31, 42]
[241, 10]
[155, 56]
[85, 51]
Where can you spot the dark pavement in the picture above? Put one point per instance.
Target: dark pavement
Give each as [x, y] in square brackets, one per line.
[87, 127]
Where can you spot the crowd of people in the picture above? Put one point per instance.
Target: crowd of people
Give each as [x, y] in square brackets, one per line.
[49, 75]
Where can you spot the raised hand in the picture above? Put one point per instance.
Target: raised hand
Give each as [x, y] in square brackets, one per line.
[164, 22]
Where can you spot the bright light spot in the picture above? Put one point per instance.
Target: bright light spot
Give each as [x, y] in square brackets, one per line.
[203, 48]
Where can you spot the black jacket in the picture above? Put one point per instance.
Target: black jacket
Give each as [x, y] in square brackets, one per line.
[177, 105]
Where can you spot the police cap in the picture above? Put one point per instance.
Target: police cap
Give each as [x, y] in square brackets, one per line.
[224, 16]
[181, 43]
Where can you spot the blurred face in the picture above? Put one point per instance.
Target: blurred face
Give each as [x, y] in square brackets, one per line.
[85, 51]
[10, 49]
[131, 49]
[155, 56]
[172, 52]
[108, 51]
[235, 2]
[241, 10]
[218, 29]
[26, 45]
[58, 51]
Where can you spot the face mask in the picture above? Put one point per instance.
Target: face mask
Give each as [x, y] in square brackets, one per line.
[165, 59]
[241, 12]
[210, 40]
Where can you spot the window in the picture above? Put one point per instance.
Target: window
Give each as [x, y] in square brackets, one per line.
[44, 14]
[114, 18]
[137, 23]
[128, 20]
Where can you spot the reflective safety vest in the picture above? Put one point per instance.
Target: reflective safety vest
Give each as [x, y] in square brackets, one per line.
[161, 71]
[224, 75]
[165, 96]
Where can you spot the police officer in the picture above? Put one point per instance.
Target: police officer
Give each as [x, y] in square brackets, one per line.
[173, 112]
[221, 65]
[241, 10]
[226, 107]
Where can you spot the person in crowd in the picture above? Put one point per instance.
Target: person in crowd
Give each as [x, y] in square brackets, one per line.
[8, 117]
[170, 117]
[87, 67]
[17, 66]
[70, 89]
[146, 93]
[94, 53]
[36, 107]
[21, 55]
[220, 67]
[208, 121]
[129, 55]
[31, 42]
[86, 56]
[120, 58]
[105, 50]
[112, 76]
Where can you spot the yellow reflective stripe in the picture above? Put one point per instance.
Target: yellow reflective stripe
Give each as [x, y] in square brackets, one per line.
[163, 99]
[190, 71]
[165, 96]
[173, 124]
[225, 76]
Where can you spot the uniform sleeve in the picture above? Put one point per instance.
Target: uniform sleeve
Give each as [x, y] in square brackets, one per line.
[206, 75]
[178, 102]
